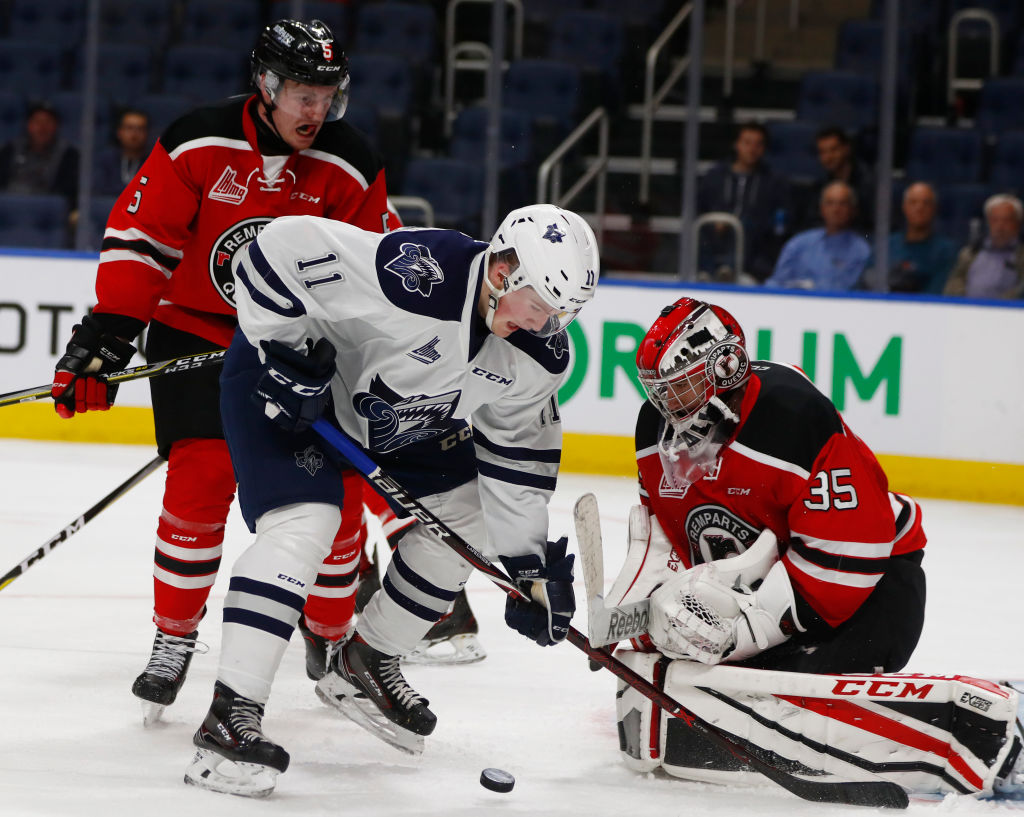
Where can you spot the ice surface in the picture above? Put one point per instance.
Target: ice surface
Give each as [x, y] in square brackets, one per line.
[75, 631]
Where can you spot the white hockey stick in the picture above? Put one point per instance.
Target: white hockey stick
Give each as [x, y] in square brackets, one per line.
[605, 625]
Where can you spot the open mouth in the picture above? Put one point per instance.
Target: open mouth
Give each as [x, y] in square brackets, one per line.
[306, 130]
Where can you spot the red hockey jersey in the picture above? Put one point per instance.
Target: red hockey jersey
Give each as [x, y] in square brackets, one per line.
[795, 467]
[203, 194]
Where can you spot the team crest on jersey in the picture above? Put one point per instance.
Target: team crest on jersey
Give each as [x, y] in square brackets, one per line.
[558, 344]
[715, 532]
[395, 421]
[416, 267]
[228, 244]
[310, 460]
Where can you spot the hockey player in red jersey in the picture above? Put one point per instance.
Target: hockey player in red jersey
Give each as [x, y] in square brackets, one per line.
[216, 177]
[775, 558]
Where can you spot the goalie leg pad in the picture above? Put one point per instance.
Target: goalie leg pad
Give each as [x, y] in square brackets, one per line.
[928, 734]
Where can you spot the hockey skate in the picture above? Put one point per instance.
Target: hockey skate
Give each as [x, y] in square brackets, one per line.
[319, 651]
[158, 685]
[452, 639]
[367, 687]
[233, 756]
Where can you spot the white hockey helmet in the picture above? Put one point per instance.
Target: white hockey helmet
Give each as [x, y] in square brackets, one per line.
[552, 250]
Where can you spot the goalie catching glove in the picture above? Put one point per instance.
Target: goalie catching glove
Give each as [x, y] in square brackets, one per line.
[548, 583]
[294, 388]
[699, 616]
[90, 352]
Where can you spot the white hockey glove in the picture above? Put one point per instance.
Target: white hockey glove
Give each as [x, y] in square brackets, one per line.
[699, 616]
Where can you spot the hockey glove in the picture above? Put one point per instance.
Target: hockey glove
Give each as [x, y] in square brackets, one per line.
[700, 617]
[90, 352]
[548, 583]
[294, 388]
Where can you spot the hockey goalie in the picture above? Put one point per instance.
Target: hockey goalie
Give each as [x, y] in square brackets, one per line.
[785, 586]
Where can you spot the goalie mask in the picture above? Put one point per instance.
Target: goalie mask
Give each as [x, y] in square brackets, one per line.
[305, 53]
[552, 252]
[692, 363]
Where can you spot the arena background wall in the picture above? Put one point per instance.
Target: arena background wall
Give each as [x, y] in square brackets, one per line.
[933, 386]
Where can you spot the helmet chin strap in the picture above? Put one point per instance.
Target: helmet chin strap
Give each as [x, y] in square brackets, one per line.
[493, 297]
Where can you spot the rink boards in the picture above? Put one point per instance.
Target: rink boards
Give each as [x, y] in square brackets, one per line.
[931, 384]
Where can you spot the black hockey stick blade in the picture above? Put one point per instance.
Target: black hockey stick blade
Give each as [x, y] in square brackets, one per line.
[877, 794]
[77, 524]
[178, 364]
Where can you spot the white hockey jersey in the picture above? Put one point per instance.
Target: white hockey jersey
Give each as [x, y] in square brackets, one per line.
[414, 356]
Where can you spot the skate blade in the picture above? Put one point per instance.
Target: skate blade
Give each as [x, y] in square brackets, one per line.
[211, 771]
[459, 649]
[359, 709]
[152, 713]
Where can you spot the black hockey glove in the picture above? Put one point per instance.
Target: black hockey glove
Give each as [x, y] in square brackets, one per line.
[294, 388]
[549, 583]
[90, 352]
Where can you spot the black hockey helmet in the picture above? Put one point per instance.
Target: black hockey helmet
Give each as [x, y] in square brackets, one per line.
[304, 52]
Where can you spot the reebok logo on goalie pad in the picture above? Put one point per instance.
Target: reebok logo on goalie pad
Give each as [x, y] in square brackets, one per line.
[621, 627]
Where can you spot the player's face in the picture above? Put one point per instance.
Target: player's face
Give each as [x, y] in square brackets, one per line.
[300, 111]
[521, 309]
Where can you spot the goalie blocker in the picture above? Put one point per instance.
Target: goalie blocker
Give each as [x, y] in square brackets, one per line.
[932, 735]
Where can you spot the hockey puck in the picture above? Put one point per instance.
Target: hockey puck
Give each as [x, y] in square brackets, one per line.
[497, 780]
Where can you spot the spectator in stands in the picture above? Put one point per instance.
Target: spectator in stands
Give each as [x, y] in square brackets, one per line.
[993, 267]
[829, 257]
[117, 165]
[919, 258]
[745, 187]
[40, 161]
[838, 163]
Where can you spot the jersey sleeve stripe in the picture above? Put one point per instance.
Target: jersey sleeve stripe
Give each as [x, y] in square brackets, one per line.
[771, 462]
[134, 234]
[338, 162]
[107, 256]
[514, 477]
[209, 141]
[865, 581]
[812, 551]
[142, 247]
[552, 455]
[845, 550]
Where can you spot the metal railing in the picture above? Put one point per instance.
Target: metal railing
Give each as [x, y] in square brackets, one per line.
[954, 82]
[550, 172]
[471, 55]
[653, 98]
[717, 217]
[417, 203]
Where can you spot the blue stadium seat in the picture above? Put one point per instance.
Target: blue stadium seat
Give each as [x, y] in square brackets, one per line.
[469, 136]
[404, 29]
[548, 89]
[999, 106]
[68, 105]
[636, 14]
[12, 115]
[589, 39]
[204, 72]
[31, 65]
[225, 23]
[791, 150]
[945, 155]
[959, 205]
[122, 70]
[33, 221]
[364, 117]
[859, 49]
[99, 212]
[384, 81]
[162, 110]
[455, 189]
[60, 22]
[1006, 171]
[136, 21]
[840, 98]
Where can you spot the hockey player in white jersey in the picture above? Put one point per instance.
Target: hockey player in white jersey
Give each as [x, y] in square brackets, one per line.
[442, 357]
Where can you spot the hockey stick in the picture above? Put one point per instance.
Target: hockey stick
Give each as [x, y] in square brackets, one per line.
[178, 364]
[875, 794]
[77, 524]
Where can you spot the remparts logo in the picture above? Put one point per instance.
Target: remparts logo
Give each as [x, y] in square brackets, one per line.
[310, 460]
[716, 533]
[232, 241]
[417, 268]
